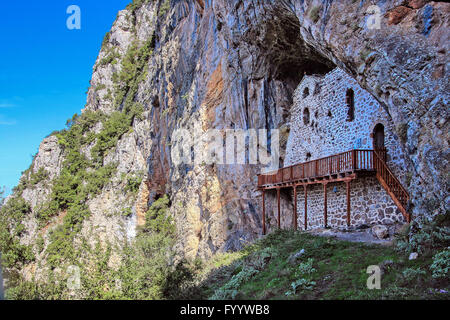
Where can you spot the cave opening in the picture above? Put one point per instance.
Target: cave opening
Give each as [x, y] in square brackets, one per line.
[289, 57]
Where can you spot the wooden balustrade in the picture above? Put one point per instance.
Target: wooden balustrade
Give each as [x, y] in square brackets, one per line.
[391, 183]
[339, 163]
[322, 171]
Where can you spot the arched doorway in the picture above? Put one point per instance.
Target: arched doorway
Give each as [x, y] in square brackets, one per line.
[378, 136]
[378, 141]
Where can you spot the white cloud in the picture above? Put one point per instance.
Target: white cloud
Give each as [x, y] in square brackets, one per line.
[7, 122]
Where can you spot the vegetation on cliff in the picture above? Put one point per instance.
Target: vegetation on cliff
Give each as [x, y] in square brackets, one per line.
[14, 253]
[145, 271]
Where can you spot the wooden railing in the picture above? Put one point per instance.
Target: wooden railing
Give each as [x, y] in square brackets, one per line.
[335, 164]
[391, 183]
[353, 160]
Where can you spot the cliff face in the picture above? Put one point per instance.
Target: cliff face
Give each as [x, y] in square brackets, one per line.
[202, 65]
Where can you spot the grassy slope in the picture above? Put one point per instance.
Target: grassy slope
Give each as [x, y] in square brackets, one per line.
[340, 271]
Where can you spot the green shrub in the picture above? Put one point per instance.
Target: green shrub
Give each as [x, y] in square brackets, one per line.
[305, 268]
[98, 178]
[304, 271]
[145, 268]
[135, 5]
[110, 58]
[81, 179]
[61, 247]
[413, 274]
[259, 260]
[180, 280]
[21, 289]
[133, 183]
[230, 289]
[106, 39]
[303, 284]
[441, 264]
[12, 214]
[164, 8]
[39, 176]
[40, 244]
[426, 237]
[158, 219]
[114, 127]
[2, 195]
[127, 212]
[133, 71]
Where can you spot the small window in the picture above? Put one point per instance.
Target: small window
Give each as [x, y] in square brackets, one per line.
[317, 89]
[306, 116]
[350, 99]
[305, 92]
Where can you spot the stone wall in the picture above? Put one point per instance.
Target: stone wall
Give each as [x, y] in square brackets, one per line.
[320, 127]
[369, 204]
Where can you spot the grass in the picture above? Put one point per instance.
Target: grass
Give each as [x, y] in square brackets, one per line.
[338, 271]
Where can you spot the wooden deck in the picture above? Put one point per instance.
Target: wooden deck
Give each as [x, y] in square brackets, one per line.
[333, 168]
[342, 167]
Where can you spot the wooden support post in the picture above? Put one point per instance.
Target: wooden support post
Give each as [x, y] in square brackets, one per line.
[263, 212]
[278, 199]
[295, 207]
[347, 183]
[306, 205]
[325, 203]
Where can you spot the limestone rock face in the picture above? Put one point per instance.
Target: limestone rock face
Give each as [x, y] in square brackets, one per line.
[235, 65]
[48, 158]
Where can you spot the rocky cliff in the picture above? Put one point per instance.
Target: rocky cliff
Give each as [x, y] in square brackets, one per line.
[215, 64]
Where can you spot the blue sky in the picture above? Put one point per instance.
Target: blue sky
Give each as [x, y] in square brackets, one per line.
[45, 70]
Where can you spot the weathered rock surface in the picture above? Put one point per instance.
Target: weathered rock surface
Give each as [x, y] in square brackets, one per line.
[380, 231]
[235, 65]
[413, 256]
[294, 259]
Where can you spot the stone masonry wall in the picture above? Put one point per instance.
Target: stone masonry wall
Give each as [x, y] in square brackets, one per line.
[319, 128]
[370, 204]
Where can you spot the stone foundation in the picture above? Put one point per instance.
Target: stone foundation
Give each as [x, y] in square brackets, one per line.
[369, 204]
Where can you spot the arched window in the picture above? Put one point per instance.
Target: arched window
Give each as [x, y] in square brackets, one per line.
[306, 116]
[350, 99]
[308, 156]
[305, 92]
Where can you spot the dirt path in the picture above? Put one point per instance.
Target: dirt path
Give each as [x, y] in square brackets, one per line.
[362, 235]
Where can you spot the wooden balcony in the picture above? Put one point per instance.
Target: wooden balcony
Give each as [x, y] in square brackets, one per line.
[342, 167]
[333, 167]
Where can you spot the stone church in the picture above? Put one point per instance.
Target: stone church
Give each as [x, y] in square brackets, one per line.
[335, 127]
